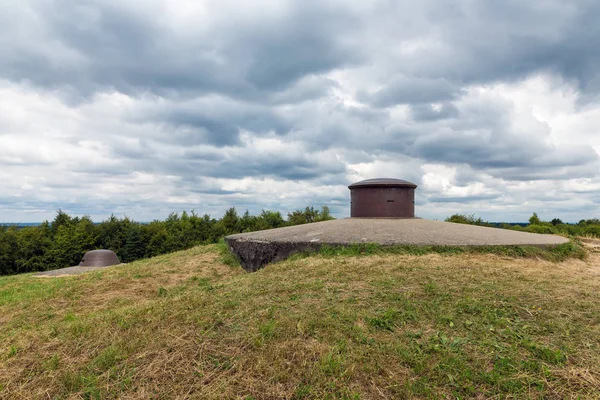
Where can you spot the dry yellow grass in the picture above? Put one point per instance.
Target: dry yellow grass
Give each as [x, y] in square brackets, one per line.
[385, 326]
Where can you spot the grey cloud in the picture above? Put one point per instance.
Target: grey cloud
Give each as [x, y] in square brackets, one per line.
[94, 46]
[310, 87]
[409, 90]
[484, 138]
[499, 153]
[98, 46]
[287, 166]
[430, 112]
[337, 125]
[545, 173]
[235, 161]
[210, 120]
[463, 199]
[309, 40]
[493, 41]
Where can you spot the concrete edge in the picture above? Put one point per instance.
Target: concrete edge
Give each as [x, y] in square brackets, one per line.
[71, 271]
[256, 254]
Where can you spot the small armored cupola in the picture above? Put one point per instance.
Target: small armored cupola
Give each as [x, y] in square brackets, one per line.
[382, 198]
[99, 258]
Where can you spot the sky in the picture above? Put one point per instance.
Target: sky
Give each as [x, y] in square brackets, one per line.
[143, 108]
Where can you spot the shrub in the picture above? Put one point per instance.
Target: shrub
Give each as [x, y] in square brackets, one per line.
[541, 229]
[467, 219]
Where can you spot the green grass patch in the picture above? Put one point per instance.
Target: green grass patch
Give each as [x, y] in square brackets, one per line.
[556, 253]
[225, 254]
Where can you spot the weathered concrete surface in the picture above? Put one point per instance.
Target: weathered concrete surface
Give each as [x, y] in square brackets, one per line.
[255, 254]
[55, 273]
[255, 249]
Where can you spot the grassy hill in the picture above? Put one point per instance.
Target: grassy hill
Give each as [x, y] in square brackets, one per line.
[186, 325]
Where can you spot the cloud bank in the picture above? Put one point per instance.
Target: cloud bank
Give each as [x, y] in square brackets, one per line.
[145, 108]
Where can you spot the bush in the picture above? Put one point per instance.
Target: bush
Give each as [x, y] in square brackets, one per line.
[541, 229]
[467, 219]
[591, 230]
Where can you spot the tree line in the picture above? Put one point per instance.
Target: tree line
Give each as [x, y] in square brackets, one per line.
[584, 228]
[64, 241]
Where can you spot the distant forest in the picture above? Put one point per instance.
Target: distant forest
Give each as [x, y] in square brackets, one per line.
[64, 241]
[584, 228]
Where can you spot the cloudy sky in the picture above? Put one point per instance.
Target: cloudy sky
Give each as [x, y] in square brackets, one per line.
[142, 108]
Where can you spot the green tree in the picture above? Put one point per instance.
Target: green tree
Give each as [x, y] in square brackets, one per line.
[231, 221]
[309, 215]
[8, 251]
[61, 219]
[71, 241]
[273, 219]
[134, 248]
[535, 220]
[63, 242]
[324, 214]
[158, 242]
[203, 229]
[34, 244]
[112, 234]
[249, 223]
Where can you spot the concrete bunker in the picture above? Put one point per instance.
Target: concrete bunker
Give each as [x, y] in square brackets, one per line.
[383, 212]
[99, 258]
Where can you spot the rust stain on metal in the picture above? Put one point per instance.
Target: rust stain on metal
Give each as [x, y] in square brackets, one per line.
[99, 258]
[382, 198]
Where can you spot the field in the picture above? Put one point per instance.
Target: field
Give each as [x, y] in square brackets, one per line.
[382, 326]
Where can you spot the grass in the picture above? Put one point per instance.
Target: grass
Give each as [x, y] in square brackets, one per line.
[358, 323]
[225, 255]
[562, 252]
